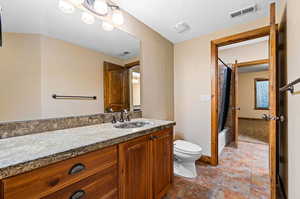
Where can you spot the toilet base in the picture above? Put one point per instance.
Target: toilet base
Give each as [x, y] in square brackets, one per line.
[185, 169]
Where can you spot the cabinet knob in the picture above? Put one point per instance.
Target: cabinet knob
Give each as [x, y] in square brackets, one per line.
[77, 168]
[78, 194]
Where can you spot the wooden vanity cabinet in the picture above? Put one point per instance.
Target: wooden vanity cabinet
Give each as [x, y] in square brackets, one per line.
[134, 169]
[45, 181]
[162, 162]
[103, 185]
[146, 166]
[141, 168]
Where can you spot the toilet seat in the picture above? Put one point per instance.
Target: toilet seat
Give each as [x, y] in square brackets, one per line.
[187, 147]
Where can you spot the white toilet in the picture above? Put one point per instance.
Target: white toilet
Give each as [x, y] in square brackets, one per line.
[185, 156]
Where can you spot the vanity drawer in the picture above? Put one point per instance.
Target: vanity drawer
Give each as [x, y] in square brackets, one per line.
[103, 185]
[46, 180]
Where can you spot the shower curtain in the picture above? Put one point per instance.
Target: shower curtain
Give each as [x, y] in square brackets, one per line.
[225, 98]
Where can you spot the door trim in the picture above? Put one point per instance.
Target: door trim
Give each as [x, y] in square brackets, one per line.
[253, 34]
[273, 99]
[132, 64]
[252, 63]
[235, 114]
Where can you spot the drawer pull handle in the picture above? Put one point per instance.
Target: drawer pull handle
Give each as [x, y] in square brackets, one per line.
[78, 194]
[76, 169]
[54, 182]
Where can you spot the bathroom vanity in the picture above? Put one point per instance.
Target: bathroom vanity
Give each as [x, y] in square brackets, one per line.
[57, 140]
[111, 163]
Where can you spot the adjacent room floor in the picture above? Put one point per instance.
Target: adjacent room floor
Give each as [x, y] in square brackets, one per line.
[244, 138]
[241, 174]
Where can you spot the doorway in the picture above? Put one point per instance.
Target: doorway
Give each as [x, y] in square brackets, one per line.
[271, 32]
[122, 87]
[252, 96]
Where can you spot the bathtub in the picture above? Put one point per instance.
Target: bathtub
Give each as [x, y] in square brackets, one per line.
[224, 139]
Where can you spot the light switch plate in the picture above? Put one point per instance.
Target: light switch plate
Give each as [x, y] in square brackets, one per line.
[205, 98]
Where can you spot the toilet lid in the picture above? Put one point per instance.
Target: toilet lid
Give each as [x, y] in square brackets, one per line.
[188, 147]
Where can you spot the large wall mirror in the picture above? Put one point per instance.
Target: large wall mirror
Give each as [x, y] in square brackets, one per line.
[52, 64]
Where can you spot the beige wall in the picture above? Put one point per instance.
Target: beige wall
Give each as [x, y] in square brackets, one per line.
[157, 70]
[20, 79]
[245, 53]
[246, 94]
[192, 84]
[293, 63]
[69, 69]
[35, 67]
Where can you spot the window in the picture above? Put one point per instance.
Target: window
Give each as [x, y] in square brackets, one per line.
[261, 94]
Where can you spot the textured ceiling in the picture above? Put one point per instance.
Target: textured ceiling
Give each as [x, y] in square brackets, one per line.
[203, 16]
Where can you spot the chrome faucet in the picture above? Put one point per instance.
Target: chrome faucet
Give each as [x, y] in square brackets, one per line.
[124, 116]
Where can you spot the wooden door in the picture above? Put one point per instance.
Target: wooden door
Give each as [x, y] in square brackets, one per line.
[134, 169]
[273, 90]
[162, 150]
[116, 87]
[235, 108]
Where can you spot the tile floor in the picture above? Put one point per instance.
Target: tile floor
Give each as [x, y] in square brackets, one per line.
[241, 174]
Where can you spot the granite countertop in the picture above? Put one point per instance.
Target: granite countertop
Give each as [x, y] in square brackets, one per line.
[25, 153]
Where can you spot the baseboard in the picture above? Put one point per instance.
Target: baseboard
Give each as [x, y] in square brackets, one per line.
[205, 159]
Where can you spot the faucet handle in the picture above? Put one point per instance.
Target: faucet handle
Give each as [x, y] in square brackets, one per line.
[128, 117]
[114, 120]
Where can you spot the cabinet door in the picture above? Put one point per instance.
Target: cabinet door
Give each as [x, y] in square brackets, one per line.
[134, 169]
[162, 147]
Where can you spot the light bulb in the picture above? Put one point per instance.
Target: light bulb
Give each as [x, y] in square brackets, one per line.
[117, 17]
[100, 7]
[115, 1]
[87, 18]
[107, 26]
[66, 7]
[77, 2]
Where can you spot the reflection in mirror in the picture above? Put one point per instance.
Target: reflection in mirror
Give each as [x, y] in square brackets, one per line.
[136, 87]
[47, 52]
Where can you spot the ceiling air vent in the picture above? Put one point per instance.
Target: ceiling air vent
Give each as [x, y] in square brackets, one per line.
[243, 11]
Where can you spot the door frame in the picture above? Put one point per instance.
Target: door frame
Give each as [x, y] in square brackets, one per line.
[240, 37]
[132, 64]
[236, 66]
[215, 44]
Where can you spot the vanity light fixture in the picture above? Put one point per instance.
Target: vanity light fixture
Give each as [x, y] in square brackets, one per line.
[117, 17]
[101, 7]
[66, 7]
[87, 18]
[77, 2]
[106, 10]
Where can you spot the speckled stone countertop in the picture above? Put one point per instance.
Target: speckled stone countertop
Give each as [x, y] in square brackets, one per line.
[25, 153]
